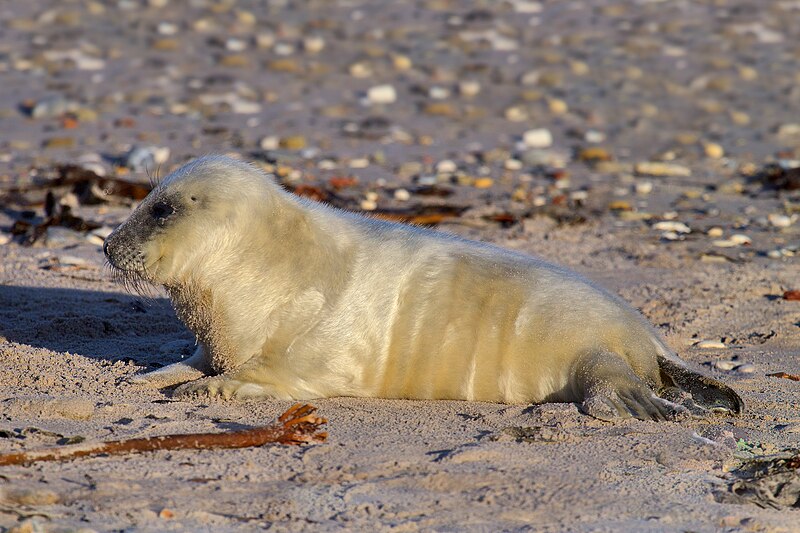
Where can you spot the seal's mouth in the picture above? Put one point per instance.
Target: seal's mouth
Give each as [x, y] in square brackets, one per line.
[129, 266]
[135, 280]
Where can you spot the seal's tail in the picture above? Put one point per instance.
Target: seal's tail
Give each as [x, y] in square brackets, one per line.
[705, 391]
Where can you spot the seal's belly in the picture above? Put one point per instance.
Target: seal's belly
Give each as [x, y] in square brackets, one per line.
[467, 333]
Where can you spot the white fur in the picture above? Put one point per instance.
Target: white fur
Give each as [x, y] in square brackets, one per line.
[307, 301]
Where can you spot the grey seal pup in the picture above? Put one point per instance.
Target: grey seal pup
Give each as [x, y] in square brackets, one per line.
[294, 299]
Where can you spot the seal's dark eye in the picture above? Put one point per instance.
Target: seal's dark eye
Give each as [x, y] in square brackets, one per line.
[162, 210]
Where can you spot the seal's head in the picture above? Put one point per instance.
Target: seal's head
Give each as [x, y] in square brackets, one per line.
[185, 218]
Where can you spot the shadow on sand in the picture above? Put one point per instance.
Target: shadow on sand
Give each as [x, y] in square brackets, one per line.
[101, 325]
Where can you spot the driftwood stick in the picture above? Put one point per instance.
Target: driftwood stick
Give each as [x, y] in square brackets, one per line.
[298, 425]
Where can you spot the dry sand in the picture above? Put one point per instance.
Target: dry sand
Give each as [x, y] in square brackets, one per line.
[69, 337]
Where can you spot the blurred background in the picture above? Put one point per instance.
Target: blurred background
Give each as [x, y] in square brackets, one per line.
[420, 109]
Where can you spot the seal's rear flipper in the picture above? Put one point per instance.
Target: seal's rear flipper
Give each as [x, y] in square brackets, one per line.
[706, 392]
[612, 391]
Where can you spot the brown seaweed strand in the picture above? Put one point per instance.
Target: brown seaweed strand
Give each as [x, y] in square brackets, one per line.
[297, 425]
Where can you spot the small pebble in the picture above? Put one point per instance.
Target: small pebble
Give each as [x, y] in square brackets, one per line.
[442, 109]
[313, 44]
[146, 158]
[95, 240]
[579, 196]
[235, 45]
[779, 220]
[58, 143]
[359, 162]
[725, 365]
[483, 183]
[246, 18]
[687, 138]
[283, 49]
[713, 150]
[244, 107]
[788, 130]
[746, 368]
[740, 118]
[446, 166]
[516, 114]
[594, 136]
[382, 94]
[747, 73]
[402, 195]
[672, 225]
[265, 39]
[715, 232]
[439, 93]
[512, 164]
[710, 345]
[293, 142]
[270, 142]
[658, 169]
[93, 162]
[102, 232]
[734, 240]
[235, 61]
[71, 260]
[527, 6]
[52, 107]
[557, 106]
[360, 70]
[594, 154]
[469, 88]
[644, 187]
[579, 68]
[167, 28]
[537, 138]
[775, 254]
[401, 62]
[369, 205]
[621, 205]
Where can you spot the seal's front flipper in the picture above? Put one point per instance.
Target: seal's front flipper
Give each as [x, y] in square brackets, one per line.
[233, 386]
[248, 382]
[191, 369]
[706, 392]
[611, 390]
[224, 387]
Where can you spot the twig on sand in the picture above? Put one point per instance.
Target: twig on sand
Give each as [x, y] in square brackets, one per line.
[785, 375]
[298, 425]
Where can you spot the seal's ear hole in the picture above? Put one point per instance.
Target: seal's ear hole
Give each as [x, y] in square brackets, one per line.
[194, 198]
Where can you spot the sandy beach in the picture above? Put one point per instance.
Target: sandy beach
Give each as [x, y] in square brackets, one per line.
[653, 147]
